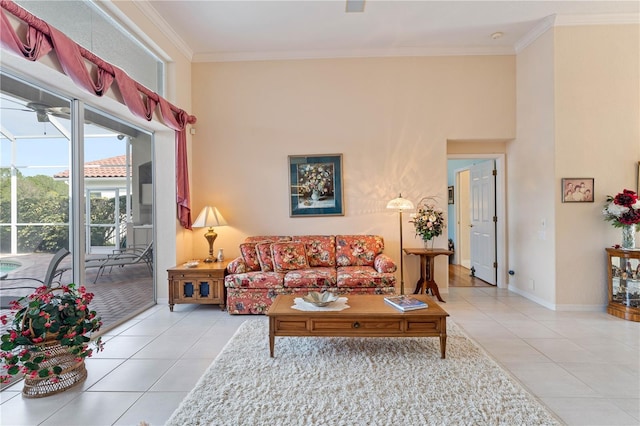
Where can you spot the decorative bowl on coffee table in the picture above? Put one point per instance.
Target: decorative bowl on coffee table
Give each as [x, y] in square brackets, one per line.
[320, 299]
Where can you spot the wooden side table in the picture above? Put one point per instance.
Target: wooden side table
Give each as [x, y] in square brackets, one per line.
[203, 284]
[427, 264]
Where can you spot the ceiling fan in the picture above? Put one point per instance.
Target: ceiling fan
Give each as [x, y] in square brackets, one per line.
[43, 111]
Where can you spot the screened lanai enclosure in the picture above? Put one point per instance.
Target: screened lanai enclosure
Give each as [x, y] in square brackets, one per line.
[76, 178]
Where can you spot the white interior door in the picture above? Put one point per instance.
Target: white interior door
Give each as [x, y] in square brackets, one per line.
[463, 246]
[483, 225]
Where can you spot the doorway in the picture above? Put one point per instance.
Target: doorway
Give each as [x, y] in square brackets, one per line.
[463, 218]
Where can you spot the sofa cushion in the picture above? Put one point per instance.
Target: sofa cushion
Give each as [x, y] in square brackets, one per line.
[321, 249]
[266, 238]
[362, 276]
[237, 266]
[251, 300]
[250, 256]
[358, 250]
[311, 278]
[265, 260]
[257, 279]
[384, 263]
[288, 256]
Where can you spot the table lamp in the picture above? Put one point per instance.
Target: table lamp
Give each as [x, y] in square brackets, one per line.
[400, 204]
[209, 217]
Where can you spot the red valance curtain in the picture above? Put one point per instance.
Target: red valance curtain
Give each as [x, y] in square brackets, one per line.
[41, 38]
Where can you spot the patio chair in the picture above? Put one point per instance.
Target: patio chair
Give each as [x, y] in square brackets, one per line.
[53, 275]
[121, 258]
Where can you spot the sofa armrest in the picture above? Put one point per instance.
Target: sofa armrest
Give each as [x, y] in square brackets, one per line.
[237, 266]
[384, 264]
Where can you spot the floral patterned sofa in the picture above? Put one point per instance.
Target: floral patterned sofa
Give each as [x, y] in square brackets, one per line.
[273, 265]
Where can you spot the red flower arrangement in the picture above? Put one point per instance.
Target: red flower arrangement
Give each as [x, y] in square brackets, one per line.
[58, 314]
[623, 209]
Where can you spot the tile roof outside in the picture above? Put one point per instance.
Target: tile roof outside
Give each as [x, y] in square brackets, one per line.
[112, 167]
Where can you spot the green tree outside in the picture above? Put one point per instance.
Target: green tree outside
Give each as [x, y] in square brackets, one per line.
[45, 201]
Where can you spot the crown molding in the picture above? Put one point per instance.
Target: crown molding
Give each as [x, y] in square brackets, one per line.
[112, 12]
[575, 20]
[542, 27]
[152, 14]
[603, 19]
[353, 53]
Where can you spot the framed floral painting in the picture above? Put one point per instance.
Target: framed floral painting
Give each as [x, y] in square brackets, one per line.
[315, 185]
[577, 190]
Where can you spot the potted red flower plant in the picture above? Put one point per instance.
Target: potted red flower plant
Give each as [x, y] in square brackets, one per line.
[49, 338]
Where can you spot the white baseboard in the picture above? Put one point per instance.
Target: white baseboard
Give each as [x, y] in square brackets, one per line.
[556, 307]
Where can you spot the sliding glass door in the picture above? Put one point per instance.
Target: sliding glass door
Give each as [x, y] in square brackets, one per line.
[88, 191]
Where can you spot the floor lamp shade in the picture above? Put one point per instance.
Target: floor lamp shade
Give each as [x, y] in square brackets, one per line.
[208, 218]
[400, 204]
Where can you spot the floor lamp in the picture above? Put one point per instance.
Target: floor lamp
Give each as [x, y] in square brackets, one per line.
[400, 204]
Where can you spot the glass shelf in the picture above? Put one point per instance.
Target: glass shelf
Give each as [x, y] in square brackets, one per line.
[624, 283]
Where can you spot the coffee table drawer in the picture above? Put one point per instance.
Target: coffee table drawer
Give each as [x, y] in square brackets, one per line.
[291, 325]
[357, 326]
[423, 326]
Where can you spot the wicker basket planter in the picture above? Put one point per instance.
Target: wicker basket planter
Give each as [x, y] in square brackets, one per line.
[73, 372]
[48, 340]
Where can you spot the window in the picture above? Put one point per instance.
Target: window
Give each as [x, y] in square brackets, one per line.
[90, 27]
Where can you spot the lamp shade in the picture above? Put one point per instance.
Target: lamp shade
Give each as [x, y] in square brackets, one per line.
[208, 218]
[400, 204]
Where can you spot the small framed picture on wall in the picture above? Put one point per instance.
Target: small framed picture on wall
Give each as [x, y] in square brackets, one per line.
[577, 190]
[450, 195]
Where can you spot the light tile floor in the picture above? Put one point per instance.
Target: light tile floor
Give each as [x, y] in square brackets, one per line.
[585, 367]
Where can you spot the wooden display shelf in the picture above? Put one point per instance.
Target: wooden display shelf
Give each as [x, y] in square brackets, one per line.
[623, 283]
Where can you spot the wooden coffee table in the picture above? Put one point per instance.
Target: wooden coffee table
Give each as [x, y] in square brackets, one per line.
[367, 316]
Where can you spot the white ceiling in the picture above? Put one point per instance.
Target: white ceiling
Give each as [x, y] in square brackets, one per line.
[255, 30]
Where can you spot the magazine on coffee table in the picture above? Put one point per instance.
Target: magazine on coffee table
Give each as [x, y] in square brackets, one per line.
[405, 303]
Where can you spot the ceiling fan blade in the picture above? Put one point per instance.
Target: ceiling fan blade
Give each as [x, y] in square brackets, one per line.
[16, 109]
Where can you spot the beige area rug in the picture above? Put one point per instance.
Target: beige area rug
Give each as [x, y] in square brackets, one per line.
[355, 381]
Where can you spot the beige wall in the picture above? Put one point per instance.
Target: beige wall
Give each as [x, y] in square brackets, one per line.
[578, 115]
[390, 118]
[597, 116]
[476, 147]
[530, 194]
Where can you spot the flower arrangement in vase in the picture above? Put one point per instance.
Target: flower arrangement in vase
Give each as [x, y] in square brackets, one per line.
[46, 323]
[623, 211]
[315, 180]
[429, 220]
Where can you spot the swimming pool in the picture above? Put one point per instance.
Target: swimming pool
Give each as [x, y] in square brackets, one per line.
[8, 266]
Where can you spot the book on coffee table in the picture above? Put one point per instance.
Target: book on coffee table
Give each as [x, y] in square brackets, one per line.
[405, 303]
